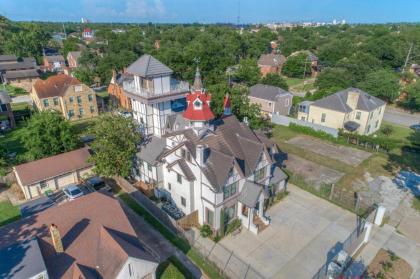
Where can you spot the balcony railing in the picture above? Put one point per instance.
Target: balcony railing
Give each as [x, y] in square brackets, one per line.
[175, 88]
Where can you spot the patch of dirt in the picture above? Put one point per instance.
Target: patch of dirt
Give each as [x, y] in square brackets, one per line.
[387, 265]
[347, 155]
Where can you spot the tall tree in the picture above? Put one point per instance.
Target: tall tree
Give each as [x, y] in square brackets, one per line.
[47, 133]
[383, 84]
[275, 80]
[116, 138]
[248, 72]
[297, 66]
[334, 77]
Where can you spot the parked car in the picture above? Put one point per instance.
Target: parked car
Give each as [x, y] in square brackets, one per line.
[97, 183]
[72, 192]
[415, 127]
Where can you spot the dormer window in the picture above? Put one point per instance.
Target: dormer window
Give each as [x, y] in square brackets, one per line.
[197, 104]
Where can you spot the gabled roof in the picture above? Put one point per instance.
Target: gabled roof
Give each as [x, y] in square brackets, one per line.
[250, 194]
[36, 171]
[13, 66]
[148, 66]
[152, 149]
[203, 113]
[54, 86]
[96, 235]
[22, 74]
[267, 92]
[184, 168]
[54, 58]
[271, 59]
[338, 101]
[74, 54]
[8, 58]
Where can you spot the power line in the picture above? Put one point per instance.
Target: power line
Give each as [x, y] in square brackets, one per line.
[408, 57]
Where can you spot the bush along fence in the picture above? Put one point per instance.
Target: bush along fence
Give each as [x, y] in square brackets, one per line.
[378, 143]
[349, 200]
[288, 121]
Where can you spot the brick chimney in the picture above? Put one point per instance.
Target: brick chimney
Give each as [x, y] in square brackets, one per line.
[56, 238]
[352, 99]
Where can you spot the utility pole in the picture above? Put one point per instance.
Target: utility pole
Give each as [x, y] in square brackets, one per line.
[408, 57]
[65, 33]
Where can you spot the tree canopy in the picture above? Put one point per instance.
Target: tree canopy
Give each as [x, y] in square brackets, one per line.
[297, 66]
[275, 80]
[116, 138]
[383, 84]
[47, 133]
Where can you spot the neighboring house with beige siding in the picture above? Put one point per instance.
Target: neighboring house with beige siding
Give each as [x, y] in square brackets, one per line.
[271, 99]
[351, 109]
[53, 173]
[66, 95]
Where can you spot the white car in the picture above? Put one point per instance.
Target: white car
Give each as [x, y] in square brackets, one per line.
[72, 192]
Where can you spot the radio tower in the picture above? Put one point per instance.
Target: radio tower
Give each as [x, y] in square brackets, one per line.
[238, 19]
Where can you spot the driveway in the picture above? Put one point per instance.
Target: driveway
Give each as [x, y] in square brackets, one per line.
[305, 232]
[401, 118]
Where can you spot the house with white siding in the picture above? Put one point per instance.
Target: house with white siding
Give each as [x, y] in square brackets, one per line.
[217, 167]
[153, 93]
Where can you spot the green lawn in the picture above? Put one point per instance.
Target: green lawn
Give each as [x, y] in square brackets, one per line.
[293, 81]
[20, 106]
[103, 93]
[182, 244]
[172, 269]
[82, 126]
[416, 203]
[8, 212]
[15, 91]
[400, 133]
[11, 141]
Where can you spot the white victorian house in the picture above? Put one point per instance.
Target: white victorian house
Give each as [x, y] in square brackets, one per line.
[218, 167]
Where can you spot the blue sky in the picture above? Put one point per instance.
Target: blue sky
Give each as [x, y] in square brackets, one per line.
[209, 11]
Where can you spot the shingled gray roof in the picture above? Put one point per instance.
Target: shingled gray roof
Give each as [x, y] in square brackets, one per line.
[5, 98]
[338, 101]
[185, 169]
[267, 92]
[8, 58]
[151, 150]
[148, 66]
[250, 194]
[21, 74]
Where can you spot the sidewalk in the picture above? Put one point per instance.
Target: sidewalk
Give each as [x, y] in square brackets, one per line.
[387, 238]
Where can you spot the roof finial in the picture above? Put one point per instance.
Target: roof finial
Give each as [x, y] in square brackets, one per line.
[226, 105]
[198, 84]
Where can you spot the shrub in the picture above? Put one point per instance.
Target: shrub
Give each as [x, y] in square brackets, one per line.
[232, 226]
[205, 231]
[387, 130]
[311, 132]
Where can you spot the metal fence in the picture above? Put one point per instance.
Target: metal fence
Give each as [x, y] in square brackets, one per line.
[352, 243]
[285, 121]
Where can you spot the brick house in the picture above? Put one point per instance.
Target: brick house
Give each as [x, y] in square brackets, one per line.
[54, 63]
[66, 95]
[271, 63]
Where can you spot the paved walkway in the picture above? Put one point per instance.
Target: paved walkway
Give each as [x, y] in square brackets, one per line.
[387, 238]
[305, 232]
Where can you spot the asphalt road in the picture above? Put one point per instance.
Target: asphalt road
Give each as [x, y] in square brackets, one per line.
[401, 118]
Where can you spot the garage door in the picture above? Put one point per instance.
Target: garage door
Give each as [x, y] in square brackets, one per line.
[65, 180]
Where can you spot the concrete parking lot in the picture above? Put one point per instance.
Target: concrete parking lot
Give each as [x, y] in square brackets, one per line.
[305, 232]
[348, 155]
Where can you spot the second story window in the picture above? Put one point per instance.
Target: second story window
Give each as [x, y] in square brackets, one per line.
[287, 102]
[260, 174]
[55, 100]
[71, 99]
[358, 115]
[230, 190]
[323, 116]
[46, 102]
[79, 99]
[90, 97]
[179, 178]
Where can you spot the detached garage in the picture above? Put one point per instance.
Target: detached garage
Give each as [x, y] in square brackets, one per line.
[52, 173]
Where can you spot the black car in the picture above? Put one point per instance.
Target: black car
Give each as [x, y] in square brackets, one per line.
[97, 183]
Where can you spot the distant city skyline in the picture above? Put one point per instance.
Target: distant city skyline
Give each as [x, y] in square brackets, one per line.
[213, 11]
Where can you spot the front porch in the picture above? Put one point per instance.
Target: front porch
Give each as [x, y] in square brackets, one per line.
[251, 207]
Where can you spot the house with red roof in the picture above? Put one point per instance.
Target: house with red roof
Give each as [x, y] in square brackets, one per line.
[215, 169]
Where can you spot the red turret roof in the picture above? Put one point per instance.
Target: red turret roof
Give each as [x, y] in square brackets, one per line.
[198, 113]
